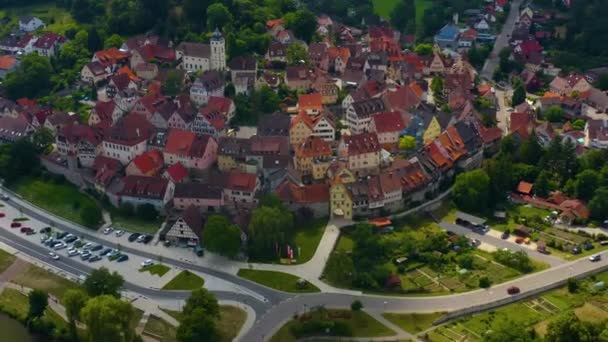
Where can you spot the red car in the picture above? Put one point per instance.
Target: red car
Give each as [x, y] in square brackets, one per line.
[513, 290]
[25, 229]
[2, 214]
[15, 224]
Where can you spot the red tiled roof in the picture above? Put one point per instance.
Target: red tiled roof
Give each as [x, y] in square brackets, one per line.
[215, 118]
[524, 187]
[242, 181]
[288, 191]
[149, 161]
[388, 122]
[186, 143]
[437, 156]
[401, 99]
[310, 101]
[519, 120]
[7, 62]
[130, 130]
[177, 172]
[48, 39]
[125, 70]
[491, 134]
[220, 104]
[304, 118]
[144, 187]
[361, 143]
[313, 147]
[112, 55]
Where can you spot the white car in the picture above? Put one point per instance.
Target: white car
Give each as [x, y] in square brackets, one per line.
[53, 256]
[120, 233]
[147, 263]
[87, 246]
[595, 257]
[141, 238]
[108, 230]
[59, 246]
[73, 252]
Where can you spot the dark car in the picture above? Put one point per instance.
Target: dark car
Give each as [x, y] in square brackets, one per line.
[199, 251]
[71, 239]
[122, 257]
[94, 258]
[588, 246]
[2, 214]
[505, 235]
[96, 248]
[513, 290]
[105, 252]
[15, 224]
[134, 237]
[25, 229]
[30, 232]
[148, 238]
[62, 235]
[45, 230]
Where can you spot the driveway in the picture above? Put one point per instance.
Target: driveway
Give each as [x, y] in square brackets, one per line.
[501, 244]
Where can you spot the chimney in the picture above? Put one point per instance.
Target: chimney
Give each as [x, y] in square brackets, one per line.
[137, 132]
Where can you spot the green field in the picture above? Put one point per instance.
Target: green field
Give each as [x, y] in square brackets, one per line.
[62, 199]
[156, 269]
[361, 324]
[307, 239]
[383, 8]
[57, 19]
[39, 278]
[229, 324]
[185, 280]
[277, 280]
[413, 323]
[6, 259]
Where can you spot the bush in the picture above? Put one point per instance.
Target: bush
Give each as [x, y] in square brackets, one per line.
[484, 282]
[356, 305]
[572, 285]
[90, 215]
[147, 212]
[518, 260]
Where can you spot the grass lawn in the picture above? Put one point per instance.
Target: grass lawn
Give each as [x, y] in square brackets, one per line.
[307, 239]
[14, 302]
[360, 323]
[6, 259]
[345, 244]
[277, 280]
[57, 19]
[39, 278]
[133, 224]
[156, 269]
[161, 328]
[413, 323]
[63, 199]
[230, 323]
[185, 280]
[383, 8]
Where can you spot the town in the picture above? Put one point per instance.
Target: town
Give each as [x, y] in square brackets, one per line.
[261, 155]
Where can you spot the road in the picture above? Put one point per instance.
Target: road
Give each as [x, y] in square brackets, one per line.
[501, 41]
[501, 244]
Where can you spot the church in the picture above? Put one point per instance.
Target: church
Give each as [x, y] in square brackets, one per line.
[203, 57]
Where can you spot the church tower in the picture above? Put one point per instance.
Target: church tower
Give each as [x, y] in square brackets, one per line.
[218, 51]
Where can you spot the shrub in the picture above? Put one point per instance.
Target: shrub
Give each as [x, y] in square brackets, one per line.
[484, 282]
[356, 305]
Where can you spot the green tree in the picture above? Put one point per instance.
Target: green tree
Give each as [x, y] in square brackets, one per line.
[340, 269]
[542, 185]
[407, 143]
[113, 41]
[17, 160]
[484, 282]
[102, 282]
[297, 54]
[356, 305]
[519, 95]
[94, 41]
[38, 301]
[147, 212]
[303, 23]
[218, 16]
[43, 138]
[90, 215]
[197, 326]
[403, 16]
[573, 285]
[569, 327]
[586, 183]
[31, 79]
[437, 86]
[530, 151]
[108, 319]
[598, 206]
[173, 83]
[471, 191]
[423, 49]
[554, 114]
[74, 301]
[270, 229]
[508, 331]
[222, 237]
[602, 82]
[202, 299]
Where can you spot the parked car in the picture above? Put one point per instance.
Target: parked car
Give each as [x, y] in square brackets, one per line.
[147, 263]
[94, 258]
[134, 237]
[588, 246]
[73, 252]
[87, 246]
[96, 248]
[113, 253]
[504, 235]
[45, 230]
[2, 214]
[120, 233]
[53, 256]
[15, 224]
[25, 229]
[30, 232]
[475, 242]
[595, 257]
[519, 240]
[108, 230]
[105, 252]
[122, 257]
[576, 250]
[70, 239]
[148, 238]
[199, 251]
[141, 238]
[59, 246]
[85, 255]
[513, 290]
[62, 235]
[4, 197]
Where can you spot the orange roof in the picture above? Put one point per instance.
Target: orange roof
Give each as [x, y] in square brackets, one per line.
[310, 101]
[334, 52]
[551, 95]
[380, 222]
[438, 158]
[524, 187]
[127, 71]
[7, 62]
[313, 147]
[177, 172]
[149, 161]
[186, 143]
[416, 89]
[304, 118]
[274, 22]
[288, 191]
[241, 181]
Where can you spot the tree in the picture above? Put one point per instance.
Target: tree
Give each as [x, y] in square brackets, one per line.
[297, 54]
[173, 83]
[554, 113]
[423, 49]
[530, 151]
[38, 301]
[197, 326]
[407, 143]
[484, 282]
[508, 331]
[147, 212]
[17, 160]
[94, 42]
[221, 236]
[90, 215]
[113, 41]
[303, 23]
[572, 285]
[202, 299]
[108, 319]
[270, 228]
[102, 282]
[31, 79]
[598, 206]
[74, 301]
[403, 16]
[519, 95]
[471, 191]
[542, 185]
[43, 138]
[218, 16]
[356, 305]
[437, 86]
[569, 327]
[340, 269]
[602, 82]
[586, 183]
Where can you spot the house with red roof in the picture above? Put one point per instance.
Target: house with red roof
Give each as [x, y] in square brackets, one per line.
[313, 157]
[148, 104]
[146, 164]
[362, 152]
[194, 151]
[222, 105]
[105, 112]
[140, 190]
[7, 64]
[57, 120]
[206, 197]
[127, 138]
[312, 104]
[522, 123]
[94, 72]
[388, 126]
[187, 230]
[240, 187]
[210, 122]
[79, 141]
[177, 173]
[314, 197]
[529, 52]
[49, 44]
[111, 56]
[338, 59]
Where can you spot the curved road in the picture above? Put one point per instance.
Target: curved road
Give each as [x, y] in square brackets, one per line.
[278, 307]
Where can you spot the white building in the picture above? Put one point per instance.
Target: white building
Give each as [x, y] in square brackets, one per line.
[28, 23]
[203, 57]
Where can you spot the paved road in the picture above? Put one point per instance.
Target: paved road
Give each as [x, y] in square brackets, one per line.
[500, 244]
[501, 41]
